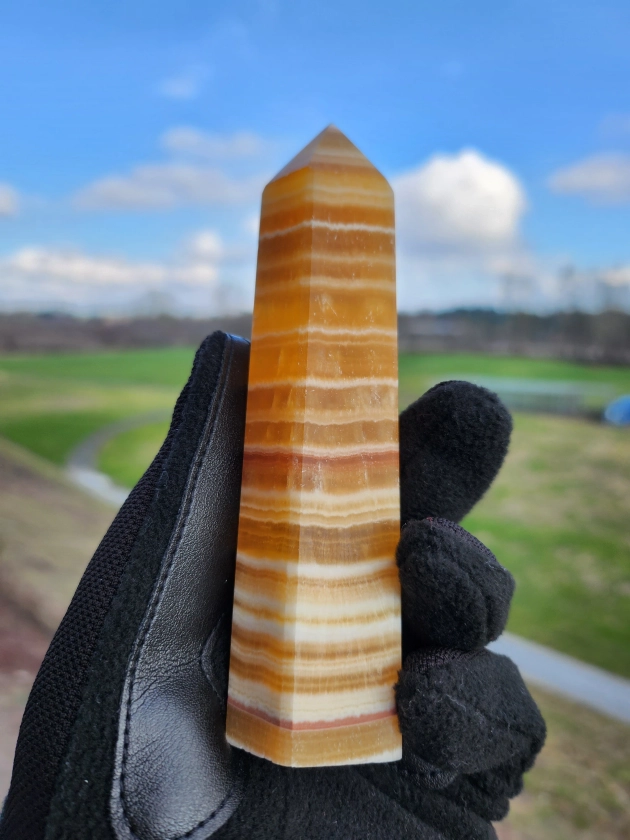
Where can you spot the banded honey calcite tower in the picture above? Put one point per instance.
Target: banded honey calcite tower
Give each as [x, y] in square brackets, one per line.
[316, 627]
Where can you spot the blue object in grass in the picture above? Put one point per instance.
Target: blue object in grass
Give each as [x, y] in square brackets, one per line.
[618, 412]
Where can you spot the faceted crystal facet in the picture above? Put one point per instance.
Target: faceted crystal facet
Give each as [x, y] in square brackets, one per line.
[316, 627]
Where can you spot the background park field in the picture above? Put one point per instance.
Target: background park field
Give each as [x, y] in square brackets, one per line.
[557, 517]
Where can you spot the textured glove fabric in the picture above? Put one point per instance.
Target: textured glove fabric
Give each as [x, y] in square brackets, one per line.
[72, 678]
[455, 439]
[454, 592]
[470, 728]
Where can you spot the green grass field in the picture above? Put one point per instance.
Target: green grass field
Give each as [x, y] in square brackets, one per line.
[557, 516]
[48, 404]
[127, 456]
[579, 788]
[417, 372]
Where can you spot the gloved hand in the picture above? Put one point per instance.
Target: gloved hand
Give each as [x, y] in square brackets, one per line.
[123, 734]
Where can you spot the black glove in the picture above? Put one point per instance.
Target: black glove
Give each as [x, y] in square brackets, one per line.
[123, 734]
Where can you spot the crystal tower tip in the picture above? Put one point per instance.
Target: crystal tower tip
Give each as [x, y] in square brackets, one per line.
[330, 148]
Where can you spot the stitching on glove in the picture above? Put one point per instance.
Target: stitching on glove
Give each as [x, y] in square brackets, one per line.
[426, 659]
[213, 646]
[463, 534]
[172, 551]
[507, 726]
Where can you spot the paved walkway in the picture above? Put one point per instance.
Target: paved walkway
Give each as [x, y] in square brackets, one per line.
[542, 666]
[561, 674]
[82, 463]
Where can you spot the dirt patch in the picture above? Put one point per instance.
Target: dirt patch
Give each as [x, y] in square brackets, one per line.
[23, 644]
[22, 640]
[48, 532]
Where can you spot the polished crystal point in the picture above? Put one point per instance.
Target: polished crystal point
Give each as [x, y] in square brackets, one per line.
[316, 627]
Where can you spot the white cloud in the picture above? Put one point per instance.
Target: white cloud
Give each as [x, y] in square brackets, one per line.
[200, 280]
[462, 202]
[458, 231]
[73, 268]
[617, 276]
[204, 169]
[185, 85]
[460, 243]
[165, 185]
[206, 245]
[200, 144]
[9, 201]
[66, 271]
[601, 179]
[251, 224]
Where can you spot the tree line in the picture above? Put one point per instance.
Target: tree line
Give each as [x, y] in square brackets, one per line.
[602, 338]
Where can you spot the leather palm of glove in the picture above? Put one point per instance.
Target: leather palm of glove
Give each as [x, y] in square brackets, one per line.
[123, 737]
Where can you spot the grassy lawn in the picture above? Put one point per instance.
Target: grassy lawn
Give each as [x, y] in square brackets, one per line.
[579, 788]
[127, 456]
[417, 372]
[48, 404]
[168, 366]
[557, 515]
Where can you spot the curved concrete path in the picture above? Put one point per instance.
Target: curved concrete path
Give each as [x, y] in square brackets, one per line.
[561, 674]
[539, 665]
[81, 466]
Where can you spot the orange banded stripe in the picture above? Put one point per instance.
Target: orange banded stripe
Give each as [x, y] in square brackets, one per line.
[259, 576]
[356, 307]
[306, 194]
[280, 617]
[319, 337]
[377, 740]
[263, 460]
[322, 518]
[284, 433]
[350, 720]
[290, 268]
[362, 242]
[322, 683]
[375, 214]
[320, 498]
[330, 360]
[289, 471]
[334, 653]
[346, 589]
[312, 543]
[331, 479]
[321, 306]
[287, 403]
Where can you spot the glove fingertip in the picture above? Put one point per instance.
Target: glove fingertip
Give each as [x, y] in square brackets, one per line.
[454, 592]
[453, 441]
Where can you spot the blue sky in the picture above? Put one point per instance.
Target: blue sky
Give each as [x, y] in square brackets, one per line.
[135, 138]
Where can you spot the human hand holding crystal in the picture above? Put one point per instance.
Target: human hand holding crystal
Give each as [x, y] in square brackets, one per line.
[123, 736]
